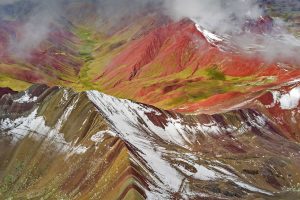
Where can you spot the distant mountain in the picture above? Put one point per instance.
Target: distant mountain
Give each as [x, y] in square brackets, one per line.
[145, 56]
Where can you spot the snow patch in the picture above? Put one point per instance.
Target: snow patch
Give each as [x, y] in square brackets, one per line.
[290, 100]
[98, 137]
[35, 127]
[287, 101]
[211, 37]
[214, 173]
[26, 98]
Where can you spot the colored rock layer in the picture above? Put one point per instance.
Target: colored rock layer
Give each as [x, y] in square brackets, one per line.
[59, 144]
[212, 123]
[148, 58]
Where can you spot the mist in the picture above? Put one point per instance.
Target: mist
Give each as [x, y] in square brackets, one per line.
[219, 16]
[35, 29]
[42, 16]
[225, 18]
[229, 19]
[7, 2]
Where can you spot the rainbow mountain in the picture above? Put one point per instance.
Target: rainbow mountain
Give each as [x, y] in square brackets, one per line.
[98, 104]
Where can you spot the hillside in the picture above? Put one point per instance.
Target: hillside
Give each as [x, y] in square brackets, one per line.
[119, 149]
[149, 58]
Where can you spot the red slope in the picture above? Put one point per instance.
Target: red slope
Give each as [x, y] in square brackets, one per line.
[173, 48]
[177, 46]
[56, 54]
[286, 118]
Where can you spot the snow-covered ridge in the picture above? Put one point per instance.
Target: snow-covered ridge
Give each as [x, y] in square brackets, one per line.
[212, 38]
[127, 115]
[156, 144]
[124, 117]
[130, 121]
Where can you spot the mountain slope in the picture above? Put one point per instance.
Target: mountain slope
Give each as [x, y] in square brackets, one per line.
[56, 143]
[146, 57]
[174, 66]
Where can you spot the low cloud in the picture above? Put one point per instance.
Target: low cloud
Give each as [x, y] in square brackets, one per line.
[228, 19]
[35, 29]
[219, 16]
[235, 21]
[42, 15]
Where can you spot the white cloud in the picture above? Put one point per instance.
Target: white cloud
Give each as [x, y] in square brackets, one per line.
[228, 19]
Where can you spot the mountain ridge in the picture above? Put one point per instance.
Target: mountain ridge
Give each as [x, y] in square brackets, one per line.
[125, 126]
